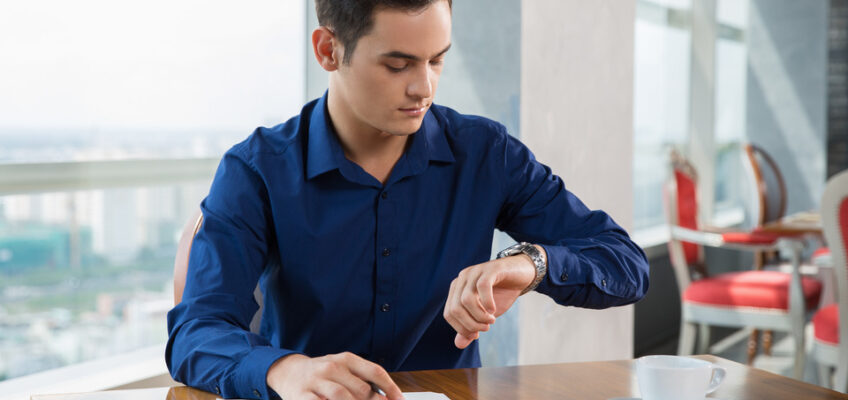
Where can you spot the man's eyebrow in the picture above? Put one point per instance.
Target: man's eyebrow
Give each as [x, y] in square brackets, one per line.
[400, 54]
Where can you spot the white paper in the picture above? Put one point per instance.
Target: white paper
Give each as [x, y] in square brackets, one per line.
[424, 396]
[413, 396]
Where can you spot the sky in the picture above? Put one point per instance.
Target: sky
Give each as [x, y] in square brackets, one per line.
[120, 66]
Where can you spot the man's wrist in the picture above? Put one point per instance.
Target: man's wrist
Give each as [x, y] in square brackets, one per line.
[278, 369]
[537, 257]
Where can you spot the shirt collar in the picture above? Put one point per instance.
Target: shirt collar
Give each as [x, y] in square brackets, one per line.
[323, 148]
[324, 152]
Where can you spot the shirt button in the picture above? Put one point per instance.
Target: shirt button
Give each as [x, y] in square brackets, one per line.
[564, 277]
[603, 282]
[385, 307]
[256, 392]
[384, 195]
[386, 252]
[381, 360]
[217, 390]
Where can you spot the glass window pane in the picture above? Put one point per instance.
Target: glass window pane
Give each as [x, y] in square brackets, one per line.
[683, 4]
[662, 57]
[99, 79]
[732, 12]
[731, 73]
[87, 274]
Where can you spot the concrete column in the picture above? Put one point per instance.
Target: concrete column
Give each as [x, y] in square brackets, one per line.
[577, 117]
[787, 92]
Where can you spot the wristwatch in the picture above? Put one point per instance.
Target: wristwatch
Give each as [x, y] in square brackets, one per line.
[535, 255]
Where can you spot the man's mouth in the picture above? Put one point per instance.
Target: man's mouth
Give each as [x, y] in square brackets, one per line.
[414, 111]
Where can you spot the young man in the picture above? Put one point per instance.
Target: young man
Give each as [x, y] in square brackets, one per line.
[367, 222]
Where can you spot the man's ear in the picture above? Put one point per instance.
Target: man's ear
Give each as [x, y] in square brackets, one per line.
[324, 45]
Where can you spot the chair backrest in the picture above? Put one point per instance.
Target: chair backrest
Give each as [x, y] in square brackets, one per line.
[183, 251]
[181, 268]
[681, 204]
[834, 215]
[771, 188]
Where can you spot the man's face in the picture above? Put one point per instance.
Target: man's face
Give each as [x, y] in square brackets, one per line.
[391, 79]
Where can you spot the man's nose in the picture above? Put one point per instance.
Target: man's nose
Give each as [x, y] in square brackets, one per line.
[422, 85]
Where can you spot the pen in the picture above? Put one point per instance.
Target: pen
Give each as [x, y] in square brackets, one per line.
[376, 389]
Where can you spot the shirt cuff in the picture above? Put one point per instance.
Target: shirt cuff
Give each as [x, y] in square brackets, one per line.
[563, 269]
[252, 372]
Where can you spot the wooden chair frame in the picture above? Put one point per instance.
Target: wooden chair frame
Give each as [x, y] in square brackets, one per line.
[181, 268]
[827, 354]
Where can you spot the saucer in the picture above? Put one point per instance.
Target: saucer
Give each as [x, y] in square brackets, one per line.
[639, 398]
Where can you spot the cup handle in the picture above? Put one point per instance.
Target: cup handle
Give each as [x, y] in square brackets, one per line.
[718, 376]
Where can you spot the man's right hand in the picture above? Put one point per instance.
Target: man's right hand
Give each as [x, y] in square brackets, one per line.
[344, 376]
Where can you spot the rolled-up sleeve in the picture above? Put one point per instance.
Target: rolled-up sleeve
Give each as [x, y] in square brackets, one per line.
[592, 262]
[209, 345]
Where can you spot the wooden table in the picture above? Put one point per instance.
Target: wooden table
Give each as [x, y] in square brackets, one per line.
[602, 380]
[803, 223]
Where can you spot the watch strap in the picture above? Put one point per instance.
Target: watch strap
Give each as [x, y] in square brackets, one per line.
[535, 255]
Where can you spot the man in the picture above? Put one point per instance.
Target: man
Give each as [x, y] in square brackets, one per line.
[367, 221]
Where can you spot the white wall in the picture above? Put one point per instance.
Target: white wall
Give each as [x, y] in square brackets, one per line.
[577, 116]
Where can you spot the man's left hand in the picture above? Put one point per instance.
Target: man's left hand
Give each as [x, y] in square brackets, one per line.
[484, 292]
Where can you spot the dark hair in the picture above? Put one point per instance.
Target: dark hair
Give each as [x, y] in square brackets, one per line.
[352, 19]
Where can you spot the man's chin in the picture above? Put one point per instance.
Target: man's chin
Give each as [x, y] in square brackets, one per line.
[406, 130]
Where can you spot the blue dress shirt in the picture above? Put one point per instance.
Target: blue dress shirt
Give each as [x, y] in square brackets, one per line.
[346, 263]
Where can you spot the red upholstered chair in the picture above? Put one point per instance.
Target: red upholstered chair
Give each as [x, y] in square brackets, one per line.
[830, 324]
[748, 298]
[822, 258]
[183, 251]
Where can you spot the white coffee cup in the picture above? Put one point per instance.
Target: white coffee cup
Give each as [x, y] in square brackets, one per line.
[677, 378]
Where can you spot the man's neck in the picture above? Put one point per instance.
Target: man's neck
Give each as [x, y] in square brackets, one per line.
[375, 151]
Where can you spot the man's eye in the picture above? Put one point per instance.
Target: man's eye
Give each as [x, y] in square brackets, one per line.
[437, 62]
[396, 69]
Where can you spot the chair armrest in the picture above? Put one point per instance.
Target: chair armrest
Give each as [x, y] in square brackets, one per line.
[733, 240]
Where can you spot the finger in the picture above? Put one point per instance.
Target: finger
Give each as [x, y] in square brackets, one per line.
[487, 294]
[453, 307]
[462, 342]
[460, 319]
[332, 390]
[470, 299]
[309, 396]
[357, 386]
[472, 314]
[370, 372]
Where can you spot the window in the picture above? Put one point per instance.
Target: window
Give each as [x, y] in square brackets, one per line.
[731, 62]
[115, 114]
[661, 106]
[663, 90]
[766, 80]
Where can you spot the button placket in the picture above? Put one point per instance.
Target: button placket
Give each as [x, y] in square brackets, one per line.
[385, 283]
